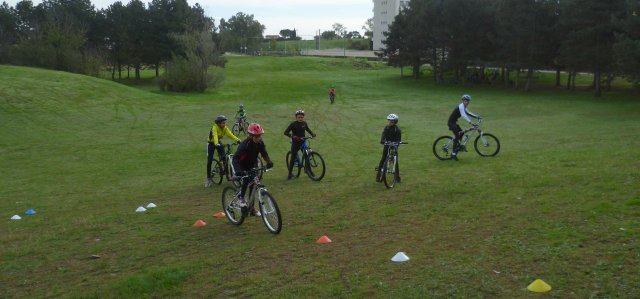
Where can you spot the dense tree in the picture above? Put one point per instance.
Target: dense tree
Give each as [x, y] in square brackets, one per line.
[339, 29]
[627, 46]
[241, 32]
[289, 34]
[329, 34]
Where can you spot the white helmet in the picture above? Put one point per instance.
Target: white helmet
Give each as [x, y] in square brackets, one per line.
[392, 117]
[466, 97]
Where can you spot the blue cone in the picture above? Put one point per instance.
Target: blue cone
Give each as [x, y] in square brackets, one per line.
[30, 212]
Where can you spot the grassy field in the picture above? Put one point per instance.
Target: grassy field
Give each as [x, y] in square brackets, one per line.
[560, 202]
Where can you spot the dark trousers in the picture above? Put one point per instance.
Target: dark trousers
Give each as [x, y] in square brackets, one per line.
[210, 152]
[295, 147]
[385, 151]
[457, 134]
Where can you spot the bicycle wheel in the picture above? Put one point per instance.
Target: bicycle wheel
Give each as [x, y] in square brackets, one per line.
[295, 165]
[442, 147]
[270, 212]
[315, 166]
[487, 145]
[389, 176]
[236, 129]
[231, 207]
[217, 172]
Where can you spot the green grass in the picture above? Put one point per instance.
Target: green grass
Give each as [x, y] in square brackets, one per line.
[560, 201]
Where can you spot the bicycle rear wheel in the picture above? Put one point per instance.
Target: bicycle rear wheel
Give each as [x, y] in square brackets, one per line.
[298, 165]
[217, 172]
[442, 147]
[315, 166]
[231, 206]
[487, 145]
[270, 212]
[389, 175]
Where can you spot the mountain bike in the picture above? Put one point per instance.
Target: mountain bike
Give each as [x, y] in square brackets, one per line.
[485, 144]
[311, 161]
[240, 126]
[389, 173]
[236, 212]
[227, 165]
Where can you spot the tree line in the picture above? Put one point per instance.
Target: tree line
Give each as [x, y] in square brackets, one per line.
[487, 40]
[71, 35]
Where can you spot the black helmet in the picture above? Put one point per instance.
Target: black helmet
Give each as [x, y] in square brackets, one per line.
[220, 119]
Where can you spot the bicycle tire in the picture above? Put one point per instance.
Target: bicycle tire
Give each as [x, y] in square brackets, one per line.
[235, 214]
[236, 129]
[293, 171]
[487, 145]
[442, 147]
[315, 166]
[270, 213]
[390, 169]
[216, 172]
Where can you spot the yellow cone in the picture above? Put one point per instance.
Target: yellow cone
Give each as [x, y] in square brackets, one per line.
[539, 286]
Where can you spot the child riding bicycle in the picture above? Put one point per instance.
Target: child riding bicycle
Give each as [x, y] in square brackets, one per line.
[241, 115]
[217, 132]
[296, 130]
[460, 111]
[391, 133]
[246, 158]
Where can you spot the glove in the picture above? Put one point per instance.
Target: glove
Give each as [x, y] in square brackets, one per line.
[314, 135]
[219, 145]
[269, 164]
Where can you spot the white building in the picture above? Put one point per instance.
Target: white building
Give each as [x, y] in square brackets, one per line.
[384, 11]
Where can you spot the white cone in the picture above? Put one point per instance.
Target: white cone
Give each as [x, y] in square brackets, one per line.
[151, 205]
[16, 217]
[141, 209]
[400, 257]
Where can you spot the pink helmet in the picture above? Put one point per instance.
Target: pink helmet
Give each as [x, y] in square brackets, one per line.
[255, 129]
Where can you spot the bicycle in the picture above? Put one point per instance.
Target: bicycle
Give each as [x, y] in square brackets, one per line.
[240, 126]
[390, 165]
[236, 212]
[310, 160]
[485, 144]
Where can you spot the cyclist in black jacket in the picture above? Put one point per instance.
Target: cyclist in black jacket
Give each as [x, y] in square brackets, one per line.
[296, 130]
[460, 111]
[246, 157]
[391, 133]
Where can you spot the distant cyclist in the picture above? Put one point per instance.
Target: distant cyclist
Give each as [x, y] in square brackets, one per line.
[460, 110]
[296, 130]
[246, 157]
[391, 133]
[217, 132]
[241, 115]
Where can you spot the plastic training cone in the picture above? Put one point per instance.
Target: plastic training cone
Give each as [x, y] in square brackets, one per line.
[200, 223]
[323, 240]
[16, 217]
[400, 257]
[30, 212]
[539, 286]
[151, 205]
[141, 209]
[219, 214]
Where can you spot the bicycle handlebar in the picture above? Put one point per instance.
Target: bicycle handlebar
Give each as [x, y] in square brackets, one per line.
[395, 143]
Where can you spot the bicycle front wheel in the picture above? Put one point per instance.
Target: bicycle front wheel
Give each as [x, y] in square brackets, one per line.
[217, 172]
[231, 206]
[487, 145]
[236, 129]
[390, 176]
[315, 166]
[297, 167]
[442, 147]
[270, 212]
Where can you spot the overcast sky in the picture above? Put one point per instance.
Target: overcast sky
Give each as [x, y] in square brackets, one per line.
[306, 16]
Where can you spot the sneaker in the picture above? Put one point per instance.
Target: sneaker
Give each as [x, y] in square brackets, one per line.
[290, 176]
[208, 183]
[242, 203]
[378, 177]
[455, 157]
[398, 180]
[255, 212]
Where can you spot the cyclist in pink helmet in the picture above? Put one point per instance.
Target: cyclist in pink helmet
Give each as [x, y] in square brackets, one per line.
[246, 156]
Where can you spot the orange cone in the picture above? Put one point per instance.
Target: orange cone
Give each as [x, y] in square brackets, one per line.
[323, 240]
[219, 214]
[200, 223]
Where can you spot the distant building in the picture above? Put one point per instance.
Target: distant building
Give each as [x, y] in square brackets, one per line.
[384, 11]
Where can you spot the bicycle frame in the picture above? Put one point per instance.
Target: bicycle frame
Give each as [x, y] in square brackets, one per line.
[255, 186]
[466, 136]
[305, 149]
